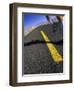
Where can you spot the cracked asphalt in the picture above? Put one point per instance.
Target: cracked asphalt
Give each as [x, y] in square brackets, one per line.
[37, 58]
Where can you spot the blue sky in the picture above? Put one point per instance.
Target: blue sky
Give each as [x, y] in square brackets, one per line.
[31, 20]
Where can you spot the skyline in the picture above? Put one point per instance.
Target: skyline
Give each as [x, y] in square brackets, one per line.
[32, 20]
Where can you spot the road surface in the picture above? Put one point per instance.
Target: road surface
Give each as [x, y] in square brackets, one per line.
[37, 57]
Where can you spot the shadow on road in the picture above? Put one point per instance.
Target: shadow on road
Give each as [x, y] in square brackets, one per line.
[43, 42]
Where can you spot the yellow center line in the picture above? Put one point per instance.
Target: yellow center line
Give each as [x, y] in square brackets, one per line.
[54, 53]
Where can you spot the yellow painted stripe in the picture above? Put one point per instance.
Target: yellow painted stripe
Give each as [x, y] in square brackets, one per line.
[54, 53]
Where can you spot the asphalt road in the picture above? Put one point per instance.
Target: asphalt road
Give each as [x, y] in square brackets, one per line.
[37, 58]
